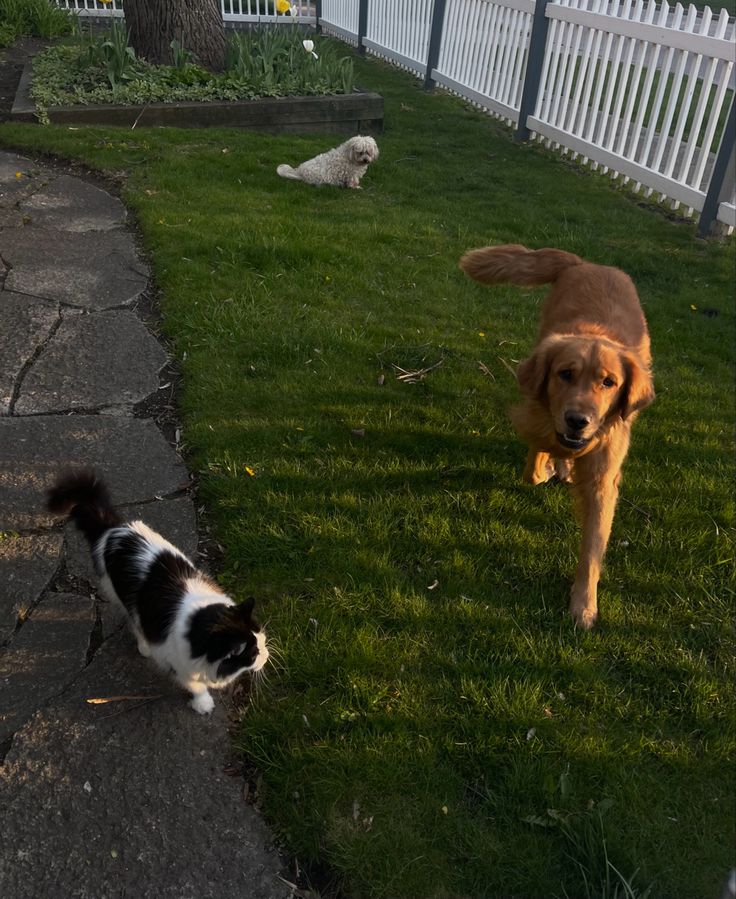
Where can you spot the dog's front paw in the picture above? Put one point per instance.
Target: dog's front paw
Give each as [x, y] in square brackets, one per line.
[539, 468]
[563, 470]
[585, 619]
[583, 608]
[202, 703]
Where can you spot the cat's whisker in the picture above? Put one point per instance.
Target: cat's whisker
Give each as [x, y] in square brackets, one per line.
[276, 661]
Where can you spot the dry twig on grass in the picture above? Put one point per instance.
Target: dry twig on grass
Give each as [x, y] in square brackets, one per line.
[508, 366]
[413, 377]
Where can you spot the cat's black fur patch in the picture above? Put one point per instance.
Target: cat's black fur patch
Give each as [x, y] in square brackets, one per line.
[161, 594]
[119, 555]
[240, 662]
[217, 629]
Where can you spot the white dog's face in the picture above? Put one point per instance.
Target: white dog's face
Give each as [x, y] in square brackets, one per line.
[363, 150]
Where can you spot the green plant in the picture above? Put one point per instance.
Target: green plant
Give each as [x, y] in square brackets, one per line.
[180, 57]
[269, 57]
[40, 18]
[111, 52]
[47, 20]
[13, 15]
[586, 834]
[119, 57]
[104, 69]
[8, 34]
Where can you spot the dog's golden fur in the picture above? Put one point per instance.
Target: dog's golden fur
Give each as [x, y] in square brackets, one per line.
[584, 383]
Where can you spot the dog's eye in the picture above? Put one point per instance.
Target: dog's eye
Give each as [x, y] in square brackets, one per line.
[609, 382]
[566, 374]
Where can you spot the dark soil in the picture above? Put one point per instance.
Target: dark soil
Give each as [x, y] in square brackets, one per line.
[12, 60]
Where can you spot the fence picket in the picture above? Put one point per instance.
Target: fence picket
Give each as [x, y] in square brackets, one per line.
[709, 135]
[707, 83]
[641, 48]
[686, 103]
[674, 95]
[588, 119]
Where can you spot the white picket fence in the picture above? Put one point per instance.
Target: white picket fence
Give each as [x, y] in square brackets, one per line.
[636, 89]
[487, 64]
[633, 88]
[246, 11]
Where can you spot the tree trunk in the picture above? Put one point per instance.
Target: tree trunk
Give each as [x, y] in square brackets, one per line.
[196, 24]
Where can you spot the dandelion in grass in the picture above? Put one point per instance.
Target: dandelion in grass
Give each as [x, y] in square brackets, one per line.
[309, 47]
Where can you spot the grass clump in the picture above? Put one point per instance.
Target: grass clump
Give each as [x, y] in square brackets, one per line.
[265, 62]
[36, 18]
[436, 728]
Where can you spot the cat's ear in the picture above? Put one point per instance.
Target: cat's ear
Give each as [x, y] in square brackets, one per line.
[246, 607]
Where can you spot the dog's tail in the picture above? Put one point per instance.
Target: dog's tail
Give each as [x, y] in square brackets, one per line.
[515, 264]
[286, 171]
[82, 496]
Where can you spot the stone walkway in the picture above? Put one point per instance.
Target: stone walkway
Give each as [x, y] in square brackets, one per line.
[127, 798]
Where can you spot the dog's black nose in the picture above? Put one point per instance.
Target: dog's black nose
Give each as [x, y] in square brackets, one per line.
[576, 421]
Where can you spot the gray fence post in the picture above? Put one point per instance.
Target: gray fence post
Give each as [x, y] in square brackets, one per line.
[722, 176]
[533, 75]
[435, 41]
[362, 24]
[318, 16]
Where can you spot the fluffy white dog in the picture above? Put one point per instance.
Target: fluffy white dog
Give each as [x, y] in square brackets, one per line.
[343, 166]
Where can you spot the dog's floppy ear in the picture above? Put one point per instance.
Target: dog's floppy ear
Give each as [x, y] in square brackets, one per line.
[638, 389]
[532, 372]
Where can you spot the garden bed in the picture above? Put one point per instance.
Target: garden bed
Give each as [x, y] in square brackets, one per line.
[335, 113]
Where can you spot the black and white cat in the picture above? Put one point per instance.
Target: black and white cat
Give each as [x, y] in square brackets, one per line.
[181, 619]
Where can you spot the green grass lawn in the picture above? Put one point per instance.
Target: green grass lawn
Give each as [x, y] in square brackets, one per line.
[435, 727]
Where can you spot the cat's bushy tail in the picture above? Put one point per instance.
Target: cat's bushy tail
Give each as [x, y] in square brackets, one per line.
[82, 496]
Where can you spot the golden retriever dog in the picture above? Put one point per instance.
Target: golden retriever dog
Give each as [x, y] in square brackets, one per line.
[583, 385]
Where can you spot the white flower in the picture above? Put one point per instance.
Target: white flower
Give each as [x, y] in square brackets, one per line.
[309, 47]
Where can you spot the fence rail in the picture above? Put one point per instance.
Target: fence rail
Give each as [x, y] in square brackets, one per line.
[639, 90]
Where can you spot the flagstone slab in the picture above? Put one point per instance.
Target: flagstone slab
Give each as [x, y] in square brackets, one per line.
[130, 454]
[92, 361]
[10, 218]
[25, 324]
[68, 204]
[19, 178]
[27, 565]
[48, 652]
[92, 269]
